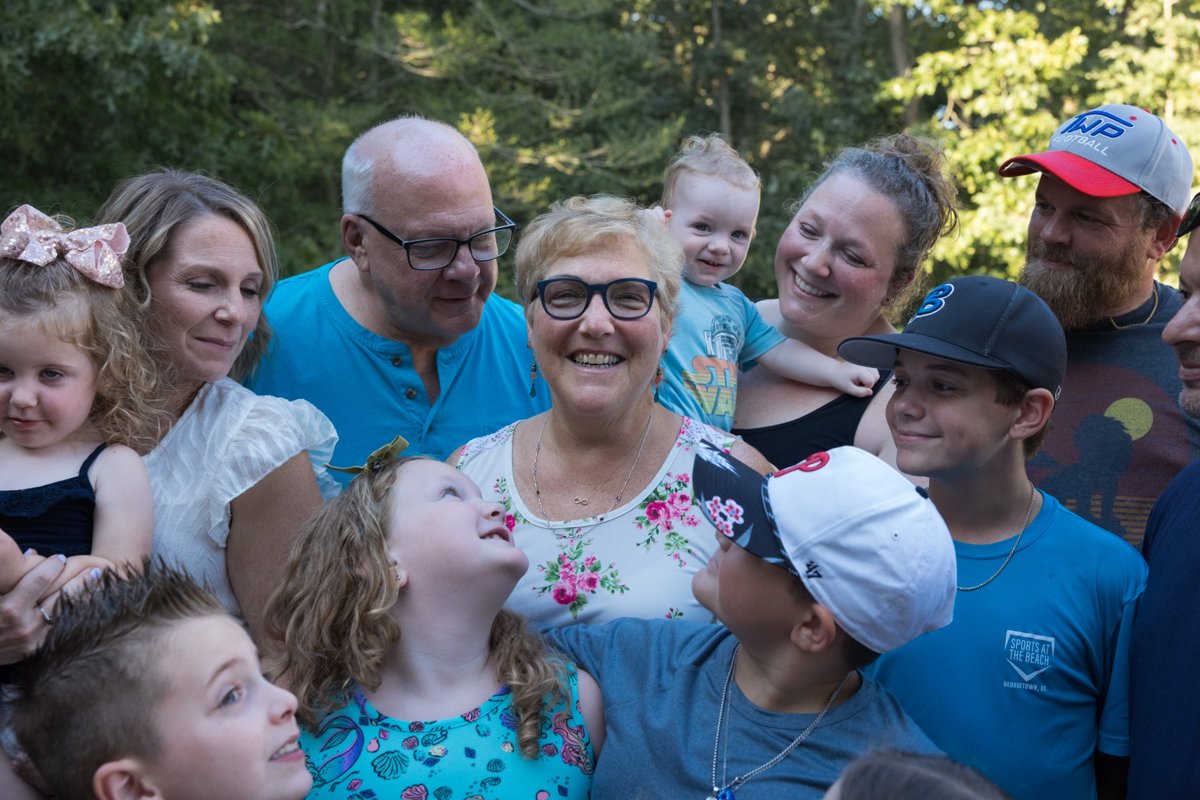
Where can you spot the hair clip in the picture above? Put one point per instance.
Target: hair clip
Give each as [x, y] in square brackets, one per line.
[378, 459]
[29, 235]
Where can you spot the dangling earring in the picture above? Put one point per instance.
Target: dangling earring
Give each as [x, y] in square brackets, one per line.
[533, 377]
[658, 379]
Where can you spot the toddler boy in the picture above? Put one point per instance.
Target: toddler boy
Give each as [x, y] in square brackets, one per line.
[820, 567]
[146, 688]
[711, 197]
[1029, 685]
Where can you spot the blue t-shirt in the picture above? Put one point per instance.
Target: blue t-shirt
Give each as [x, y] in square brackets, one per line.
[716, 331]
[360, 753]
[1032, 676]
[366, 383]
[662, 682]
[1164, 757]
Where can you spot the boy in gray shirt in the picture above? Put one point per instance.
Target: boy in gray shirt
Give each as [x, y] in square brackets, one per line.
[821, 567]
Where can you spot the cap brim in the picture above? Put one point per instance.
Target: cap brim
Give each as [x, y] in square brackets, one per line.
[880, 351]
[1075, 171]
[733, 497]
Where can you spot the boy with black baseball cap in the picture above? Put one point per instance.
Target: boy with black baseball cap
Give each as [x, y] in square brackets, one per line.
[820, 568]
[1030, 682]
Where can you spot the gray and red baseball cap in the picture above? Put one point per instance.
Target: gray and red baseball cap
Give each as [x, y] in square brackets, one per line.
[1111, 151]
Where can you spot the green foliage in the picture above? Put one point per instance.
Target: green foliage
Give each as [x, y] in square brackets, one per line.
[571, 96]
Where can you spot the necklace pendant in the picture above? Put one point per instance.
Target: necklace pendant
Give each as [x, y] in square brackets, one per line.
[580, 501]
[725, 794]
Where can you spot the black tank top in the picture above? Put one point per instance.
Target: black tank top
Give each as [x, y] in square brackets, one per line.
[55, 518]
[832, 425]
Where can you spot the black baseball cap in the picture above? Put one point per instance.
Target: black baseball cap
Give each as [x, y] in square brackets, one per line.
[978, 320]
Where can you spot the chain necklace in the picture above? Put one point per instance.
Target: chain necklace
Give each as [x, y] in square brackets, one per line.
[537, 451]
[1149, 317]
[726, 792]
[1011, 553]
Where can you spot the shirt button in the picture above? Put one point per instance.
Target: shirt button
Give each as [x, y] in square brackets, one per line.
[410, 393]
[397, 361]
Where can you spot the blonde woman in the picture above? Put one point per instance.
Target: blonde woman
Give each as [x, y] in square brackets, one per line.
[597, 490]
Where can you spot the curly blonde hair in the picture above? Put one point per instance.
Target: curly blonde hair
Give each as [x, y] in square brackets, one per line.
[331, 625]
[100, 321]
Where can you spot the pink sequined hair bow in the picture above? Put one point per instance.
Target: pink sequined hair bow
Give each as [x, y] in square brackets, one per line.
[29, 235]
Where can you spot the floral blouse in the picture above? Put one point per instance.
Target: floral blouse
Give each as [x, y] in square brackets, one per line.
[635, 561]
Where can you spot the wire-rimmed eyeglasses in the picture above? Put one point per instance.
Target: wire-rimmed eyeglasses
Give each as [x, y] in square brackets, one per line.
[440, 252]
[568, 298]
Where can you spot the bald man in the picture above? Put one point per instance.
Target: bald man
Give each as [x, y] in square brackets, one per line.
[404, 335]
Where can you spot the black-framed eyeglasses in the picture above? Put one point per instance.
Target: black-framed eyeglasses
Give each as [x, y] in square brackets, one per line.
[1191, 217]
[568, 298]
[440, 252]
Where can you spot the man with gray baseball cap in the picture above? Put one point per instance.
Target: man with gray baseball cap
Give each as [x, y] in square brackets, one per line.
[1113, 185]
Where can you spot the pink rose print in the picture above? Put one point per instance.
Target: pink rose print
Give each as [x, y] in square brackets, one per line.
[573, 576]
[510, 522]
[564, 593]
[658, 512]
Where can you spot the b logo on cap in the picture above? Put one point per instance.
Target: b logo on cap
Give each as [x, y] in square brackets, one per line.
[934, 301]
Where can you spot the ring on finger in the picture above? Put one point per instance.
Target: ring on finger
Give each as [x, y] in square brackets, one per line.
[49, 619]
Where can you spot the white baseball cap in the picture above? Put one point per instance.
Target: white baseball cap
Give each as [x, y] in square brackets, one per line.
[867, 544]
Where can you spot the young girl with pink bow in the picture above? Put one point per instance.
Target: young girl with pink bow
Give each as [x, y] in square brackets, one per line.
[75, 385]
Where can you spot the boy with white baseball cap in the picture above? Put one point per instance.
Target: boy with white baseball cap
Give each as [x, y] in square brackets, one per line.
[1029, 684]
[821, 567]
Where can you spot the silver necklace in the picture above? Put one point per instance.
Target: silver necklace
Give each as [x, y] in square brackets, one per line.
[726, 792]
[1011, 553]
[537, 451]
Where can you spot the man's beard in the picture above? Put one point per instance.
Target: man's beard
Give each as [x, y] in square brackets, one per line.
[1085, 292]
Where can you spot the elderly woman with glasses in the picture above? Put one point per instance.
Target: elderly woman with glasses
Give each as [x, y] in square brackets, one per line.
[598, 489]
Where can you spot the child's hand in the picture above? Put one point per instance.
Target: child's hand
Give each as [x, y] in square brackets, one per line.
[79, 572]
[854, 379]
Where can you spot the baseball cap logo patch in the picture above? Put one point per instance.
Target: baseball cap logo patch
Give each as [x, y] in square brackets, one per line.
[935, 301]
[1097, 123]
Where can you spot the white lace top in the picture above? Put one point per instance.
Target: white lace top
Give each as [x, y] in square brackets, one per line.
[227, 440]
[637, 562]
